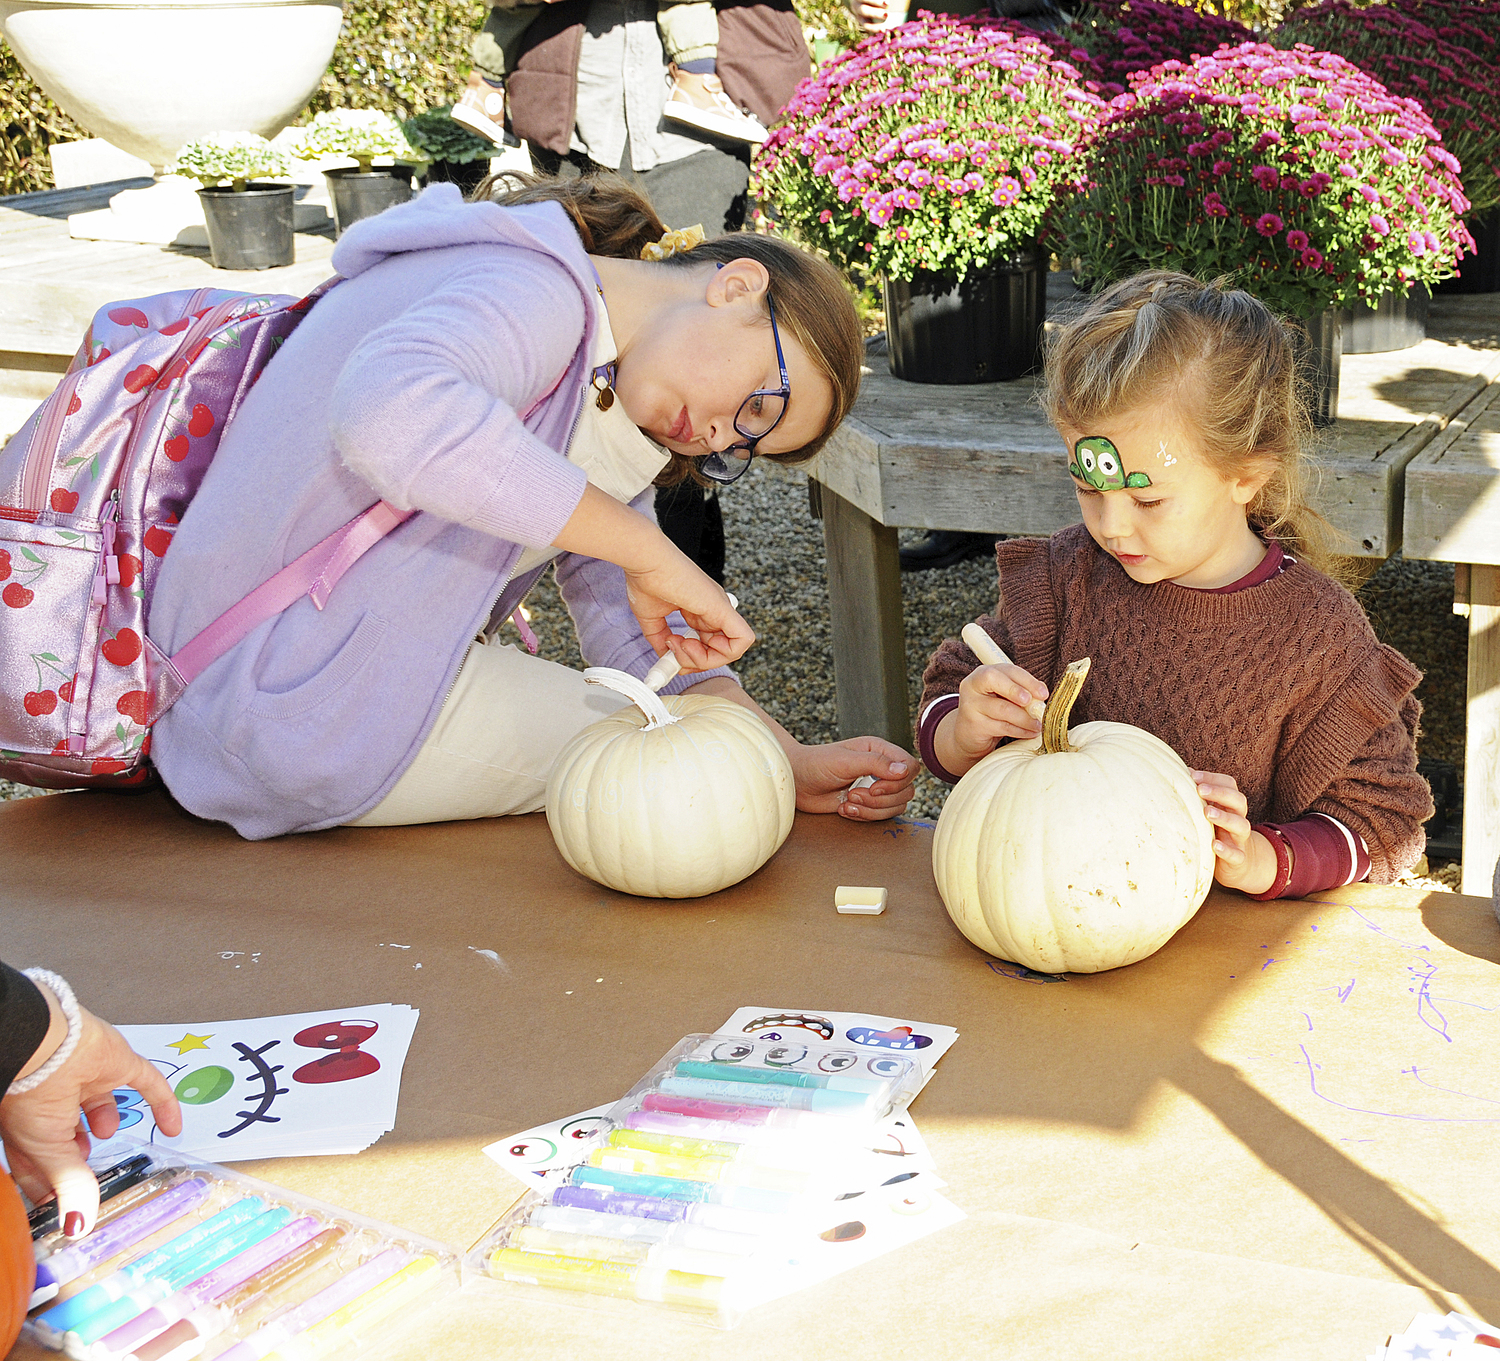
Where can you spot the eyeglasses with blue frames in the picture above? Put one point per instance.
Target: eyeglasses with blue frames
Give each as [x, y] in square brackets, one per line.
[759, 414]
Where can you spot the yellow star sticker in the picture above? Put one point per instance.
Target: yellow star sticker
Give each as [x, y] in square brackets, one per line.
[189, 1041]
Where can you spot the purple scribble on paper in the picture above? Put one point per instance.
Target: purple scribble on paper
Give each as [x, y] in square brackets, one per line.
[1266, 965]
[1380, 930]
[1308, 1019]
[1427, 1009]
[1415, 1072]
[1312, 1079]
[1343, 993]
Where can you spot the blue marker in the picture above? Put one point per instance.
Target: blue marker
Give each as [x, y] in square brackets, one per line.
[828, 1101]
[51, 1326]
[154, 1291]
[676, 1188]
[774, 1077]
[601, 1200]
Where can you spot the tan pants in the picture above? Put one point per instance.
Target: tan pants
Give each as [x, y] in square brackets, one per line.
[492, 748]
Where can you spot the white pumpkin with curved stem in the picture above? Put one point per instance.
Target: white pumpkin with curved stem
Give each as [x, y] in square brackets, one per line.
[1074, 852]
[680, 796]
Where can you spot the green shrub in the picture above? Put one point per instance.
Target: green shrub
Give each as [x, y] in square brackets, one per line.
[31, 123]
[402, 56]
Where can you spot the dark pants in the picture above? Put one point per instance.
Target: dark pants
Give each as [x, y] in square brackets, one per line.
[709, 186]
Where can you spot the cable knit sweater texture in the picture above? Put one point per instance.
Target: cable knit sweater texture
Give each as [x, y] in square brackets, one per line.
[1283, 686]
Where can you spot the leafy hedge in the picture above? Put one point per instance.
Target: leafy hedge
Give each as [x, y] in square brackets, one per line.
[402, 56]
[32, 122]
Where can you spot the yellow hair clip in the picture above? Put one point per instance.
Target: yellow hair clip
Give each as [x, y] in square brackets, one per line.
[684, 238]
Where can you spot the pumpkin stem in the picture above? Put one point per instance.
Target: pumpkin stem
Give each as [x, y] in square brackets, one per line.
[638, 692]
[1059, 706]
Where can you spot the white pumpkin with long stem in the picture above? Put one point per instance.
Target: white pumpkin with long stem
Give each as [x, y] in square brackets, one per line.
[1073, 852]
[675, 797]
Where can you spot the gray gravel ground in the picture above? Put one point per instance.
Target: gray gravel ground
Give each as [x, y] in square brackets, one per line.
[775, 567]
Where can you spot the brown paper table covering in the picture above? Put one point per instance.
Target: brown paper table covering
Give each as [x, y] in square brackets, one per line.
[1276, 1138]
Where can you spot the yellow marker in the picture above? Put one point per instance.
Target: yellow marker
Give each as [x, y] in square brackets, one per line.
[624, 1280]
[376, 1304]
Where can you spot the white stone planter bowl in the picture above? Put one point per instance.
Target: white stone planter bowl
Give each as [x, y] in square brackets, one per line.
[149, 77]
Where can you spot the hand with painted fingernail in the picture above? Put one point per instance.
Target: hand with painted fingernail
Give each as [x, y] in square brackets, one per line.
[46, 1141]
[1243, 858]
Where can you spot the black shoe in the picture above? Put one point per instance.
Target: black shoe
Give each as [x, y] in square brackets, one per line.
[946, 548]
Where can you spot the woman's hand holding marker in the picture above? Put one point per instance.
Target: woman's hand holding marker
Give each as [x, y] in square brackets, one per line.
[1243, 858]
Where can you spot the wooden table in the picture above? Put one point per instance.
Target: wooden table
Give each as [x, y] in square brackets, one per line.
[1256, 1144]
[51, 285]
[983, 458]
[1452, 514]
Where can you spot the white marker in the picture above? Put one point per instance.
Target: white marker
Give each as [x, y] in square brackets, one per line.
[667, 666]
[990, 653]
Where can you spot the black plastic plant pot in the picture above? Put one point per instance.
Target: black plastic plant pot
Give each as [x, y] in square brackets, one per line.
[360, 193]
[1479, 272]
[1397, 321]
[987, 329]
[251, 228]
[467, 175]
[1320, 346]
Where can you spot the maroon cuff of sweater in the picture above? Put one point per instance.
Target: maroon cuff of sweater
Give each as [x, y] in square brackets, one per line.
[1320, 853]
[927, 727]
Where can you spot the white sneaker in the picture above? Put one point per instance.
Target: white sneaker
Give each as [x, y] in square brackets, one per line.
[716, 114]
[481, 109]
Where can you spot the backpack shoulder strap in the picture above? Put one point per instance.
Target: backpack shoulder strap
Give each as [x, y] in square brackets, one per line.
[314, 575]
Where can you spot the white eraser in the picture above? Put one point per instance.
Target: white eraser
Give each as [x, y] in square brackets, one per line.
[863, 902]
[864, 782]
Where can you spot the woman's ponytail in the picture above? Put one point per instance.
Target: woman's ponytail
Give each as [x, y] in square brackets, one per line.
[613, 219]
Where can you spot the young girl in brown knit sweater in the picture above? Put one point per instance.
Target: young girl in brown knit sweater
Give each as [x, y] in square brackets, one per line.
[1199, 584]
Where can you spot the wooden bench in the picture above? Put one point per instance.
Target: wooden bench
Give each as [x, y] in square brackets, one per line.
[1452, 514]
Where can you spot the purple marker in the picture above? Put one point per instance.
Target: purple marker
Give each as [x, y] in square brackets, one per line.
[70, 1263]
[604, 1201]
[320, 1306]
[208, 1288]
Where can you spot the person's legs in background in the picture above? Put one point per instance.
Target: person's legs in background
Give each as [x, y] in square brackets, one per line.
[481, 107]
[690, 34]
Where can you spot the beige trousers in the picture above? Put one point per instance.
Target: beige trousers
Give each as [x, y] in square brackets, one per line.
[493, 745]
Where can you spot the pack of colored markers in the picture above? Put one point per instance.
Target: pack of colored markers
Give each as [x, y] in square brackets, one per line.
[189, 1259]
[704, 1189]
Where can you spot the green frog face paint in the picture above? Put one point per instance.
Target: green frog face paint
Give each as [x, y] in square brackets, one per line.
[1097, 462]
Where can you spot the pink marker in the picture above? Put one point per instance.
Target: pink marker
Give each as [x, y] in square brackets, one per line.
[770, 1117]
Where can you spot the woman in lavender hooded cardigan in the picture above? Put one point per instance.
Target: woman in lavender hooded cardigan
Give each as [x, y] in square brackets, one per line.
[459, 370]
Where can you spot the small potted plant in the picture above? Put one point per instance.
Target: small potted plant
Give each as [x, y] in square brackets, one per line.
[1436, 52]
[361, 135]
[249, 222]
[1294, 173]
[453, 154]
[930, 154]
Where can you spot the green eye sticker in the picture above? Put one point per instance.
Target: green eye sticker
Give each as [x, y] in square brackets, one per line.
[1097, 462]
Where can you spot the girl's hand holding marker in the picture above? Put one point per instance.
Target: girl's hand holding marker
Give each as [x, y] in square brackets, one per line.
[999, 700]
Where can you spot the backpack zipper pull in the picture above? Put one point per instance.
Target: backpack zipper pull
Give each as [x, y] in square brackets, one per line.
[108, 572]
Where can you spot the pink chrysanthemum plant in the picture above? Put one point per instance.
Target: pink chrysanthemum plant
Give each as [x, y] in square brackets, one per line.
[938, 145]
[1443, 53]
[1292, 172]
[1122, 37]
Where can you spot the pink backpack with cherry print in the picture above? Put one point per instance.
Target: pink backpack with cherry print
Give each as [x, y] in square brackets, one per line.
[91, 491]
